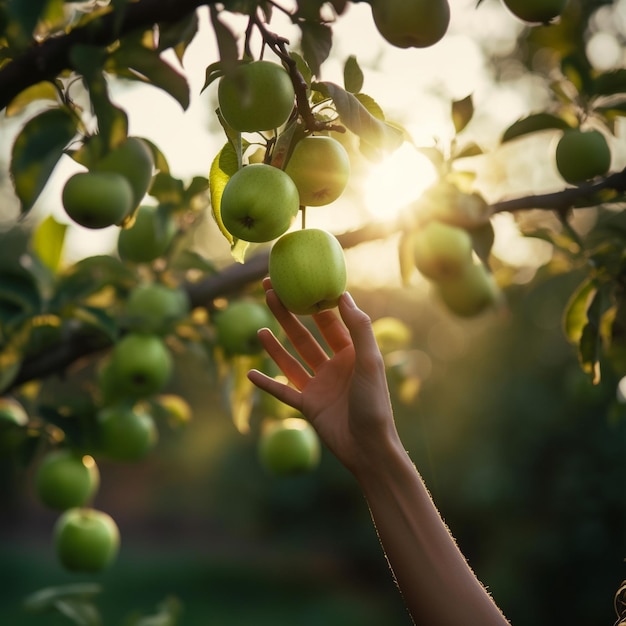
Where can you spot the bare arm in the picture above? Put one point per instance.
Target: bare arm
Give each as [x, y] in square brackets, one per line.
[345, 397]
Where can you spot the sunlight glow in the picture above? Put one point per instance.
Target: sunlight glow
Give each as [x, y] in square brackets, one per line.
[397, 181]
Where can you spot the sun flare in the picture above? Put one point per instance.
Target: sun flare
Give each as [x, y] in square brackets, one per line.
[397, 181]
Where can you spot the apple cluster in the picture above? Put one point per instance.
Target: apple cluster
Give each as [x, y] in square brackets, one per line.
[110, 191]
[260, 201]
[443, 252]
[123, 428]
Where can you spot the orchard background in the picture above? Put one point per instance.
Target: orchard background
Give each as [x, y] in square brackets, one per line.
[515, 415]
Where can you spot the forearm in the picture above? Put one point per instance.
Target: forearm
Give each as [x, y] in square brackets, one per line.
[438, 586]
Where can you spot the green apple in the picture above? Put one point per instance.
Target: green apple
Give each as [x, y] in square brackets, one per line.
[471, 293]
[289, 446]
[411, 23]
[391, 334]
[257, 96]
[140, 365]
[536, 11]
[308, 270]
[126, 433]
[320, 167]
[86, 540]
[65, 479]
[149, 236]
[259, 203]
[441, 251]
[134, 160]
[154, 307]
[238, 324]
[97, 199]
[582, 155]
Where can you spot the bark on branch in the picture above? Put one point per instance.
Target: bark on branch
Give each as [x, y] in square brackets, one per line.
[45, 61]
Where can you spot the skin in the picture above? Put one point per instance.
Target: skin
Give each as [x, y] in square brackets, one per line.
[346, 399]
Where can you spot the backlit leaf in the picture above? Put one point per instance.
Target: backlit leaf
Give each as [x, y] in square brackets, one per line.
[41, 91]
[462, 113]
[48, 240]
[575, 316]
[533, 124]
[316, 43]
[359, 120]
[224, 165]
[352, 75]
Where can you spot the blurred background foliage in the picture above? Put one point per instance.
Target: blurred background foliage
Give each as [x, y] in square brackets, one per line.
[524, 457]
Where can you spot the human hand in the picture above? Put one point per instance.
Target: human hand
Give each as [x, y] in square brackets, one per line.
[344, 395]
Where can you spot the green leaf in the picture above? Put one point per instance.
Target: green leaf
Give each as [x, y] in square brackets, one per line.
[609, 83]
[469, 150]
[575, 315]
[198, 185]
[224, 165]
[89, 276]
[112, 120]
[533, 124]
[226, 43]
[213, 72]
[462, 113]
[178, 35]
[303, 68]
[36, 93]
[36, 151]
[98, 319]
[359, 120]
[81, 612]
[190, 260]
[48, 240]
[316, 42]
[140, 63]
[44, 599]
[167, 189]
[352, 75]
[168, 614]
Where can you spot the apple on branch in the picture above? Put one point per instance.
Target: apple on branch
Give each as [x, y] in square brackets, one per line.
[308, 270]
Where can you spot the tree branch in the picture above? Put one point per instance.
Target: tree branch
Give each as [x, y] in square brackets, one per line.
[587, 195]
[45, 61]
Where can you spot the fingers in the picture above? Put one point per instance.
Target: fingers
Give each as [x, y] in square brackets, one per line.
[288, 364]
[302, 340]
[282, 392]
[359, 326]
[333, 330]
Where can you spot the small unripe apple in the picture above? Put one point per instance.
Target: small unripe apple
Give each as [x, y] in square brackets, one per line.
[320, 167]
[582, 155]
[411, 23]
[148, 238]
[140, 365]
[132, 159]
[126, 433]
[536, 11]
[257, 96]
[97, 199]
[154, 307]
[391, 334]
[86, 540]
[441, 251]
[308, 270]
[289, 446]
[238, 324]
[12, 411]
[66, 479]
[259, 203]
[471, 293]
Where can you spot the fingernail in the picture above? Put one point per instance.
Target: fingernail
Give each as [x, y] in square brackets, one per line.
[349, 299]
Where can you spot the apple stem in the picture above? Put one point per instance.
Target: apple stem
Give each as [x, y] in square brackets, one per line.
[303, 211]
